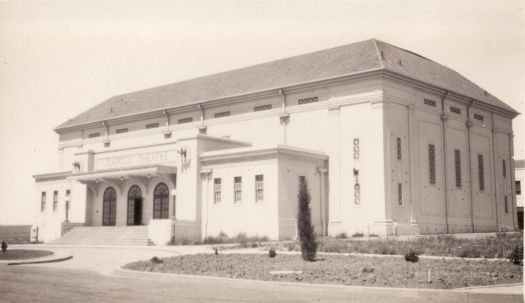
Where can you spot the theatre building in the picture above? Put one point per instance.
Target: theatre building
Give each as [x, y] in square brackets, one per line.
[388, 141]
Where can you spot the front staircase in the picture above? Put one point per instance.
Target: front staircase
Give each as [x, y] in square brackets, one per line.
[105, 235]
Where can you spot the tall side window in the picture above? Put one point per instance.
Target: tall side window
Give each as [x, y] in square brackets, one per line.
[237, 189]
[457, 163]
[302, 181]
[481, 173]
[518, 187]
[400, 194]
[161, 205]
[55, 200]
[43, 201]
[504, 166]
[506, 205]
[356, 149]
[432, 163]
[398, 145]
[259, 188]
[217, 190]
[68, 198]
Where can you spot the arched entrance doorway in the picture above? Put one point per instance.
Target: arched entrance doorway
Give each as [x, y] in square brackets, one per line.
[134, 205]
[161, 202]
[109, 207]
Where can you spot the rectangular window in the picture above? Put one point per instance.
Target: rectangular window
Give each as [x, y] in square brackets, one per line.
[430, 102]
[308, 100]
[217, 190]
[457, 163]
[55, 200]
[398, 148]
[222, 114]
[94, 135]
[262, 107]
[518, 187]
[481, 173]
[237, 189]
[479, 117]
[432, 163]
[400, 194]
[259, 188]
[43, 201]
[455, 110]
[121, 130]
[185, 120]
[152, 125]
[506, 205]
[504, 169]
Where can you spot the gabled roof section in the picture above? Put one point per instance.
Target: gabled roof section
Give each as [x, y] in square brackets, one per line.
[335, 62]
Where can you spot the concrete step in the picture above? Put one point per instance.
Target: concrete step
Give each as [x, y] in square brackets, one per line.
[105, 235]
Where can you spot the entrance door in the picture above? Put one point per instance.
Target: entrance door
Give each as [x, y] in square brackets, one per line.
[134, 205]
[109, 207]
[137, 220]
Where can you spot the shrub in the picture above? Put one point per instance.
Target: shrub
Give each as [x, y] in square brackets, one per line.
[516, 256]
[272, 253]
[341, 236]
[304, 224]
[411, 256]
[357, 235]
[4, 247]
[156, 260]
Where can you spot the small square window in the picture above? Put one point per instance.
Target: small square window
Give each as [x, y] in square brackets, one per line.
[479, 117]
[122, 130]
[430, 102]
[152, 125]
[185, 120]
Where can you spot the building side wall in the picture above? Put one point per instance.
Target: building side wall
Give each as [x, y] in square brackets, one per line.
[455, 202]
[248, 216]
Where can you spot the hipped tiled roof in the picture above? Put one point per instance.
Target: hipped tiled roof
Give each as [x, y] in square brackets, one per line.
[331, 63]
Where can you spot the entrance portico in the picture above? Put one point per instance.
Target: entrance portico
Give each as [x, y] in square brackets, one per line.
[129, 196]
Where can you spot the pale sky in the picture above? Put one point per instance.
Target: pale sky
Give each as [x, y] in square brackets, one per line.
[59, 58]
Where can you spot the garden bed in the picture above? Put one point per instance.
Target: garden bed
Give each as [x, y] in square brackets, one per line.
[23, 254]
[339, 269]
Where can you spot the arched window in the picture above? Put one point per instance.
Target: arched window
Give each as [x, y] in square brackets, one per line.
[109, 207]
[161, 202]
[134, 205]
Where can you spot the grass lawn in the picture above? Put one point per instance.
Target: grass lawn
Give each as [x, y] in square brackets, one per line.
[346, 270]
[22, 254]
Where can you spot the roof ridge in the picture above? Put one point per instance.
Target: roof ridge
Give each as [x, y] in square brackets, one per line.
[379, 54]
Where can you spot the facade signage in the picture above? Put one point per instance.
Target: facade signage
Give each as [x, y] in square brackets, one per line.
[136, 159]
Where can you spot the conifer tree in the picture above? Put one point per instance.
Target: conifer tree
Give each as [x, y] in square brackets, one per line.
[304, 224]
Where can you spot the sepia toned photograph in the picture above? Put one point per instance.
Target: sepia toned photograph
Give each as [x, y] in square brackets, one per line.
[262, 151]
